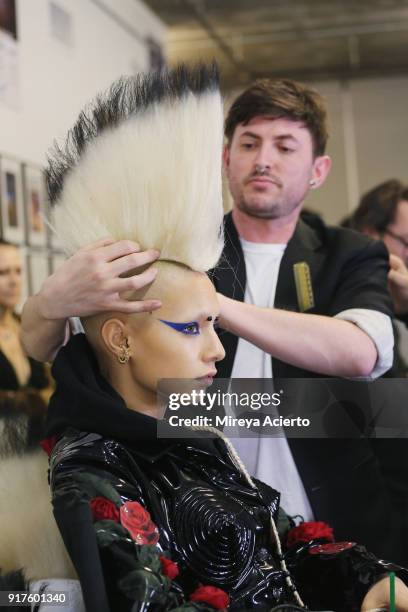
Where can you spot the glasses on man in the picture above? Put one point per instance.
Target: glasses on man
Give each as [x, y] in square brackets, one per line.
[403, 242]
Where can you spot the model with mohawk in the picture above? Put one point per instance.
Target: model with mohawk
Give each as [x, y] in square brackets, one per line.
[162, 524]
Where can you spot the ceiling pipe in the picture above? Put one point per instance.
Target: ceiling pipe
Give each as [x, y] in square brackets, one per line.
[197, 9]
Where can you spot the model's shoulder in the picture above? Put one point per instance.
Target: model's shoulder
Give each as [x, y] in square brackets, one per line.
[84, 447]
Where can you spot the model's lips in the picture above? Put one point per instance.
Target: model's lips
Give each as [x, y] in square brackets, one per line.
[207, 379]
[208, 375]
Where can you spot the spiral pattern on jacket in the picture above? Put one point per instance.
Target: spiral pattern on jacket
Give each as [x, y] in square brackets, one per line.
[214, 535]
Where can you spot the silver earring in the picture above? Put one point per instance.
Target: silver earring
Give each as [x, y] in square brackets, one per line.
[312, 183]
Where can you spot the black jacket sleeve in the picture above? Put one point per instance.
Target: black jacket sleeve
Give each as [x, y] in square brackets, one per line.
[116, 573]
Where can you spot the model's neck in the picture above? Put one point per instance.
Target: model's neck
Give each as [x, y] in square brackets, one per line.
[274, 231]
[135, 396]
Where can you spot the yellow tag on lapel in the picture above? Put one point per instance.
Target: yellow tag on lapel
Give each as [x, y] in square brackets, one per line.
[304, 287]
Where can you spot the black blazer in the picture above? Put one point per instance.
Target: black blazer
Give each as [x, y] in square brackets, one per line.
[348, 270]
[342, 477]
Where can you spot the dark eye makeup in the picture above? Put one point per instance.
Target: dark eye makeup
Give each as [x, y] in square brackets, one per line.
[191, 328]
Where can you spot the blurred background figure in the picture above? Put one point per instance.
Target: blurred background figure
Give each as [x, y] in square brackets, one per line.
[383, 214]
[16, 369]
[24, 384]
[29, 538]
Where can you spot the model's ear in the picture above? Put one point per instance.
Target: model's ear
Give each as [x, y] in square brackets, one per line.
[321, 169]
[226, 157]
[115, 336]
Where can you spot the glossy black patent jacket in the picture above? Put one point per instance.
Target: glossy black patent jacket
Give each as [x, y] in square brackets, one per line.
[210, 520]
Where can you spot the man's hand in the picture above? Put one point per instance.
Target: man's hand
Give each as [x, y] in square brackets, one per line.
[398, 284]
[89, 282]
[378, 597]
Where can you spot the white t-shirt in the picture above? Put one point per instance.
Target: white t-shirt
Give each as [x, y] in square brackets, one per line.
[270, 459]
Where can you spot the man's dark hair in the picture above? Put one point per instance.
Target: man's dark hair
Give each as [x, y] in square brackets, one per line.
[378, 206]
[281, 99]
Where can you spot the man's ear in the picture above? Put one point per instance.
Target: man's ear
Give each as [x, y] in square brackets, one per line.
[115, 336]
[226, 157]
[321, 169]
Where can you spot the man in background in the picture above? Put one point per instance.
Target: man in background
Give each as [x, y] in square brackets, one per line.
[383, 214]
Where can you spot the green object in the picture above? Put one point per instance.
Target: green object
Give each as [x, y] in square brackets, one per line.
[392, 592]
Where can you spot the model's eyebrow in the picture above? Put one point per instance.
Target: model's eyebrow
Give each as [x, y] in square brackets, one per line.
[205, 316]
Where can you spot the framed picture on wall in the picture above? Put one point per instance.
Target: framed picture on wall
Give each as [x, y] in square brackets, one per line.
[38, 269]
[34, 204]
[8, 18]
[11, 200]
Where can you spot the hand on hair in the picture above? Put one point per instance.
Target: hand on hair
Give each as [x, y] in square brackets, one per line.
[378, 597]
[91, 281]
[398, 284]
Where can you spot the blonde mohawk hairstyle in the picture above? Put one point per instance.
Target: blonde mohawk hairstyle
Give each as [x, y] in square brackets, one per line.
[143, 162]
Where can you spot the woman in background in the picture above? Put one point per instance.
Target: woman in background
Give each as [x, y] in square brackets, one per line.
[17, 371]
[23, 381]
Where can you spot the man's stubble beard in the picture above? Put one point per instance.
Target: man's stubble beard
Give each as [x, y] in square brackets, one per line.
[273, 210]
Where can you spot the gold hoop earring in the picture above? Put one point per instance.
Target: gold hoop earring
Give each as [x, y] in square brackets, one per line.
[125, 354]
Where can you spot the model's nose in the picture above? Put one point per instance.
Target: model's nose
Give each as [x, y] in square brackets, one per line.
[214, 351]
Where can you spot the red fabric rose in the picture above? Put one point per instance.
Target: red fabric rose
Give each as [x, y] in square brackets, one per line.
[170, 569]
[103, 509]
[138, 522]
[48, 444]
[213, 596]
[309, 531]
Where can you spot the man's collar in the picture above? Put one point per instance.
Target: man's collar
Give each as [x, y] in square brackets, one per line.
[304, 234]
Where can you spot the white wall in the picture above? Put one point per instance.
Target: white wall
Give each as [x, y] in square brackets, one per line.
[56, 80]
[368, 143]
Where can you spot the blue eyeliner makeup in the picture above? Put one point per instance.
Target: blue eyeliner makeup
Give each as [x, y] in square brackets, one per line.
[190, 329]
